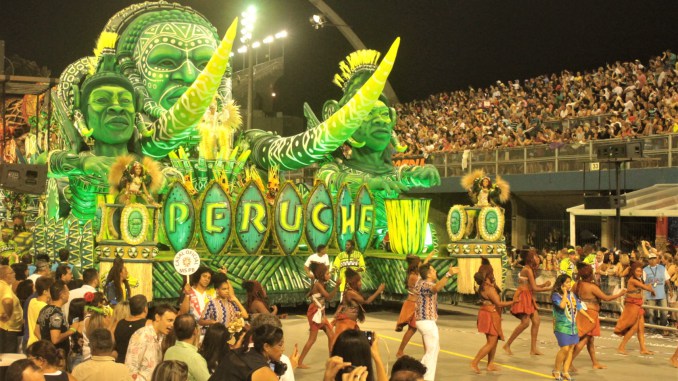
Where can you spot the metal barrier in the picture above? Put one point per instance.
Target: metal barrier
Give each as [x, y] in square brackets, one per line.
[613, 307]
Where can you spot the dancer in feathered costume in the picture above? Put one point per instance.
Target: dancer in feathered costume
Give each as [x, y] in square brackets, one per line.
[130, 179]
[483, 192]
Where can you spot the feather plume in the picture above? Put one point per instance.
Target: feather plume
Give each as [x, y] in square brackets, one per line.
[117, 171]
[504, 189]
[468, 181]
[153, 170]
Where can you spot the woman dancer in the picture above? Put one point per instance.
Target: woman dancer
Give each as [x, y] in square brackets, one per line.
[632, 319]
[588, 292]
[525, 307]
[566, 306]
[257, 300]
[351, 311]
[406, 317]
[117, 283]
[489, 316]
[316, 310]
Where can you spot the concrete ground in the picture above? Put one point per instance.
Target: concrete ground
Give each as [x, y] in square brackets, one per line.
[460, 342]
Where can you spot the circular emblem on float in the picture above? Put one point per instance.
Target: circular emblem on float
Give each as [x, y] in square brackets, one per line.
[491, 223]
[134, 221]
[456, 222]
[186, 261]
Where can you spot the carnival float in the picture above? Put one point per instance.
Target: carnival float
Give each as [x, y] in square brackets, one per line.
[151, 158]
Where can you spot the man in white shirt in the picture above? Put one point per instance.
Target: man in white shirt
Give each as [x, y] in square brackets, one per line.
[90, 278]
[41, 269]
[319, 257]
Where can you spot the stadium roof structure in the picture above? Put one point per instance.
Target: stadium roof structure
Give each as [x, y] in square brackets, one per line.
[659, 200]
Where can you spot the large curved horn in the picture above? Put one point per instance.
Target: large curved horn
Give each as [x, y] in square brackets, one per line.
[175, 125]
[304, 149]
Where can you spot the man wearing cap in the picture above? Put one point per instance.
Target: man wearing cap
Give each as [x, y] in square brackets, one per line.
[568, 264]
[657, 276]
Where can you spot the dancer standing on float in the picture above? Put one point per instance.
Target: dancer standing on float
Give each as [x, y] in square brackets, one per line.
[426, 313]
[589, 292]
[632, 319]
[489, 315]
[407, 311]
[316, 310]
[525, 307]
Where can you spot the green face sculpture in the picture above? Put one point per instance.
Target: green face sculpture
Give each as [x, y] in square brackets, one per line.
[376, 129]
[135, 224]
[110, 113]
[170, 56]
[491, 222]
[455, 222]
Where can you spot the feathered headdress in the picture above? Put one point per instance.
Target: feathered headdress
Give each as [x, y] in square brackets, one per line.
[152, 172]
[354, 63]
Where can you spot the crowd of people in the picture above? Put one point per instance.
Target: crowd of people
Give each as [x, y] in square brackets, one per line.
[630, 98]
[76, 327]
[72, 326]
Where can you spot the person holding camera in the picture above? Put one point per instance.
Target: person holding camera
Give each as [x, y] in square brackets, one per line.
[262, 362]
[360, 350]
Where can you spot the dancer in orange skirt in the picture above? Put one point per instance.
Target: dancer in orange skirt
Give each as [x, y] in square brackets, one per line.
[351, 311]
[674, 358]
[590, 294]
[632, 319]
[489, 316]
[316, 310]
[525, 307]
[406, 317]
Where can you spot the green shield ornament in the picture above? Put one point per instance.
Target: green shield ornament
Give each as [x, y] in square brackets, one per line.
[365, 218]
[178, 216]
[345, 216]
[319, 217]
[288, 226]
[491, 223]
[456, 222]
[134, 224]
[251, 219]
[216, 218]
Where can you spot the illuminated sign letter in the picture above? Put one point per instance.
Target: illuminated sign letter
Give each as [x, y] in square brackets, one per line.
[179, 219]
[214, 214]
[296, 223]
[365, 217]
[347, 219]
[315, 218]
[256, 220]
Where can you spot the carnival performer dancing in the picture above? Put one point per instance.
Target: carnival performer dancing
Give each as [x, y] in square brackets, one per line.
[566, 307]
[525, 307]
[591, 295]
[632, 319]
[426, 313]
[406, 317]
[351, 310]
[317, 319]
[489, 315]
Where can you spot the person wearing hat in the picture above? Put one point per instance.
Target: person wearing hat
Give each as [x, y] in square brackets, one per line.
[8, 247]
[655, 275]
[567, 265]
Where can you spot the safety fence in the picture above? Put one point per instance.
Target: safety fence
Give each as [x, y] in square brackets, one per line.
[609, 284]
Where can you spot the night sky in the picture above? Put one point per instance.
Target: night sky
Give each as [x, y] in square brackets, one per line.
[446, 45]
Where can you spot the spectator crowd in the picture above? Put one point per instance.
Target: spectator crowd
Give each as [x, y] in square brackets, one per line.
[619, 100]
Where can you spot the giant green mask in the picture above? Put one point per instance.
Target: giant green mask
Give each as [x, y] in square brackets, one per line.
[375, 130]
[170, 56]
[110, 114]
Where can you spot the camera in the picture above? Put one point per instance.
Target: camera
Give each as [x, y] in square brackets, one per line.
[370, 336]
[278, 367]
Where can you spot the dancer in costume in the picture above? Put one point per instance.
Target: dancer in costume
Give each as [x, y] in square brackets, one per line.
[257, 300]
[526, 307]
[674, 358]
[426, 313]
[483, 194]
[316, 310]
[489, 315]
[632, 319]
[351, 310]
[134, 185]
[406, 317]
[566, 308]
[590, 294]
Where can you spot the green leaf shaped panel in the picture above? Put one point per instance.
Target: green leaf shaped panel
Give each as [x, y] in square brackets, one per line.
[319, 217]
[178, 216]
[251, 219]
[216, 218]
[365, 215]
[345, 216]
[288, 217]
